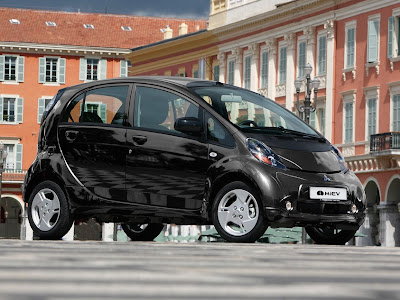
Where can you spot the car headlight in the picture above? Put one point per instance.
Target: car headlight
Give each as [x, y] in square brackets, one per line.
[264, 153]
[340, 158]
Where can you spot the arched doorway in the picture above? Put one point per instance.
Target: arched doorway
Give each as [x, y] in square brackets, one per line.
[10, 218]
[370, 228]
[390, 217]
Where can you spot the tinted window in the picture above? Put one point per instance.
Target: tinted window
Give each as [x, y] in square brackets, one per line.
[104, 105]
[157, 109]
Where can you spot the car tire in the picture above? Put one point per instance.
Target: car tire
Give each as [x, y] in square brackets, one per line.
[48, 211]
[142, 232]
[328, 236]
[237, 213]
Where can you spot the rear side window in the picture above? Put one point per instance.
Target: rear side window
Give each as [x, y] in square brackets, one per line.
[157, 109]
[102, 106]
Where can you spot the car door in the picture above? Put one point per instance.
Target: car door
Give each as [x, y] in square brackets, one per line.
[165, 168]
[92, 137]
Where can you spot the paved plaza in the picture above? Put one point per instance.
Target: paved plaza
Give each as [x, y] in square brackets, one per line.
[59, 270]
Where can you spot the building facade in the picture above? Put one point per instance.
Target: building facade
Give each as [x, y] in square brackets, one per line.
[44, 51]
[353, 48]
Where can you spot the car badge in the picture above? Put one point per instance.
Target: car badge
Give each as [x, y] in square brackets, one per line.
[326, 178]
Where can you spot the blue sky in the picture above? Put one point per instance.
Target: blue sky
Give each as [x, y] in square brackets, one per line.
[156, 8]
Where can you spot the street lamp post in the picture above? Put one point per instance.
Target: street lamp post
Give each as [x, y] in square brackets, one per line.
[3, 156]
[311, 85]
[307, 108]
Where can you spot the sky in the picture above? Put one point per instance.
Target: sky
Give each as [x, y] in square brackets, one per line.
[190, 9]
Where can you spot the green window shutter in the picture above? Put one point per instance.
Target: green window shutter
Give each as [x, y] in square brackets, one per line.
[302, 59]
[390, 37]
[247, 73]
[103, 68]
[264, 70]
[282, 65]
[396, 113]
[216, 73]
[18, 164]
[349, 123]
[231, 72]
[1, 109]
[82, 69]
[350, 47]
[2, 66]
[20, 110]
[124, 68]
[61, 70]
[42, 70]
[322, 56]
[103, 113]
[41, 107]
[21, 67]
[312, 119]
[373, 30]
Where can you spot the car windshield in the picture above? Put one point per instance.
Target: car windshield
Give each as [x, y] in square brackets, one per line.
[252, 112]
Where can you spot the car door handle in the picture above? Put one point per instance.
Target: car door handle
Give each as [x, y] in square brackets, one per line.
[71, 135]
[139, 139]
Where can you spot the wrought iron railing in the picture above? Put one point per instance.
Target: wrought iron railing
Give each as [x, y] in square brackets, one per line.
[385, 141]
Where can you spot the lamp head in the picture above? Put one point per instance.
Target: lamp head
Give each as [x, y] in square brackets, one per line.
[315, 83]
[307, 69]
[297, 84]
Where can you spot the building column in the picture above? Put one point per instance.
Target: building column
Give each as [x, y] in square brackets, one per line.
[330, 58]
[310, 56]
[290, 38]
[237, 54]
[369, 229]
[271, 48]
[389, 224]
[254, 51]
[222, 66]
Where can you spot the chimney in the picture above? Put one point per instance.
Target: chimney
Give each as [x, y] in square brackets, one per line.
[183, 29]
[168, 33]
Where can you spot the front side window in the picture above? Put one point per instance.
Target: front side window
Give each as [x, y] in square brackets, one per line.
[101, 106]
[158, 109]
[217, 133]
[251, 112]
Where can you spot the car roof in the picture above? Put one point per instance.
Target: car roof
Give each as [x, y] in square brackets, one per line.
[175, 80]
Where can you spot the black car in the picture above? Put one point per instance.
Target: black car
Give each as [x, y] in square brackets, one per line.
[144, 151]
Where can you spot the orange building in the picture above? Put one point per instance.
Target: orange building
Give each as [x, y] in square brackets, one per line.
[44, 51]
[353, 47]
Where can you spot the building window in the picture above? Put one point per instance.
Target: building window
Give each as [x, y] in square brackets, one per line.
[394, 34]
[247, 72]
[264, 70]
[93, 69]
[124, 68]
[301, 58]
[42, 104]
[348, 125]
[396, 113]
[14, 156]
[11, 109]
[52, 70]
[322, 55]
[371, 116]
[373, 40]
[12, 68]
[216, 73]
[350, 46]
[231, 72]
[282, 65]
[321, 120]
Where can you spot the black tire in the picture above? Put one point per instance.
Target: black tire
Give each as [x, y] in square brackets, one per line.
[49, 220]
[328, 236]
[142, 232]
[229, 213]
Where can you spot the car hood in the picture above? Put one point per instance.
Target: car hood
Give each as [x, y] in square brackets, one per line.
[301, 153]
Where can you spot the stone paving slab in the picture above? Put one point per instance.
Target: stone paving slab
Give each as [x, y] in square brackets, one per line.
[59, 270]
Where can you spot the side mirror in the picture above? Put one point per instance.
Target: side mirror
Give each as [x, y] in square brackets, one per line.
[189, 125]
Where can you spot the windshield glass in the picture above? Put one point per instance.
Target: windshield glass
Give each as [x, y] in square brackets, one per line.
[251, 112]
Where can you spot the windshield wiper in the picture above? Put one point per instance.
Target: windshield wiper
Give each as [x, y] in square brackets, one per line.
[295, 132]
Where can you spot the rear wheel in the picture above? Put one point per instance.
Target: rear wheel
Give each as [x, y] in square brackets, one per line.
[238, 213]
[329, 235]
[142, 232]
[48, 211]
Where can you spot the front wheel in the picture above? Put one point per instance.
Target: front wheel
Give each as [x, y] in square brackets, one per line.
[237, 213]
[329, 235]
[142, 232]
[48, 211]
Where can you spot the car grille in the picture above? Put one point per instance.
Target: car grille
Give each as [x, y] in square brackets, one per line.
[323, 208]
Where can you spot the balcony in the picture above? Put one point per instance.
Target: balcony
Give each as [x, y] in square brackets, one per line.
[385, 144]
[13, 175]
